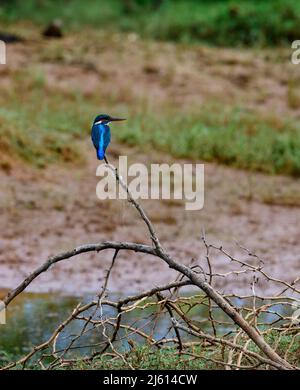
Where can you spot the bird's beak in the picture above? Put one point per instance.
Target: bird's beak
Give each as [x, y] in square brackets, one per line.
[117, 119]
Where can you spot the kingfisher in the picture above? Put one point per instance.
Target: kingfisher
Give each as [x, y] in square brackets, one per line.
[101, 134]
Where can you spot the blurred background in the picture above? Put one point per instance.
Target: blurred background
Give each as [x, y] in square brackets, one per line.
[199, 81]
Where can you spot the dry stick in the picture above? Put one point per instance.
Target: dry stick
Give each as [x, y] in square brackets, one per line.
[74, 252]
[115, 333]
[221, 363]
[142, 213]
[229, 310]
[99, 298]
[259, 268]
[215, 340]
[206, 287]
[169, 309]
[239, 360]
[160, 252]
[210, 312]
[127, 327]
[80, 309]
[154, 291]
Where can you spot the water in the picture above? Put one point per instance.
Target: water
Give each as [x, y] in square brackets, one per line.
[32, 318]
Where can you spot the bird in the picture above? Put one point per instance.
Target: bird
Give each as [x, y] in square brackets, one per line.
[100, 134]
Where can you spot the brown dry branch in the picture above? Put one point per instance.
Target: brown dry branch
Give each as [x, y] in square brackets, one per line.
[246, 343]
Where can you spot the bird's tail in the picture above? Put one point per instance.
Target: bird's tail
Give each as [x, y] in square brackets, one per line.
[100, 153]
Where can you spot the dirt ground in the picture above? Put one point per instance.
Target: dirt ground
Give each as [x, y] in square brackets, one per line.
[184, 76]
[44, 212]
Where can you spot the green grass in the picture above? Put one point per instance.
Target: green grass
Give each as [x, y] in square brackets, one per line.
[143, 357]
[216, 22]
[146, 358]
[168, 358]
[234, 137]
[42, 126]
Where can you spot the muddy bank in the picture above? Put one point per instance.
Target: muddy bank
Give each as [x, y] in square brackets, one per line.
[44, 212]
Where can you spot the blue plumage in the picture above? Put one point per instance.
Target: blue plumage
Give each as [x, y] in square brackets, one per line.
[101, 139]
[101, 134]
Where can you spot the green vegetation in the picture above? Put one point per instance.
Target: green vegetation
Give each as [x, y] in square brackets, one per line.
[141, 357]
[217, 22]
[42, 122]
[169, 358]
[43, 126]
[146, 358]
[197, 357]
[235, 137]
[35, 127]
